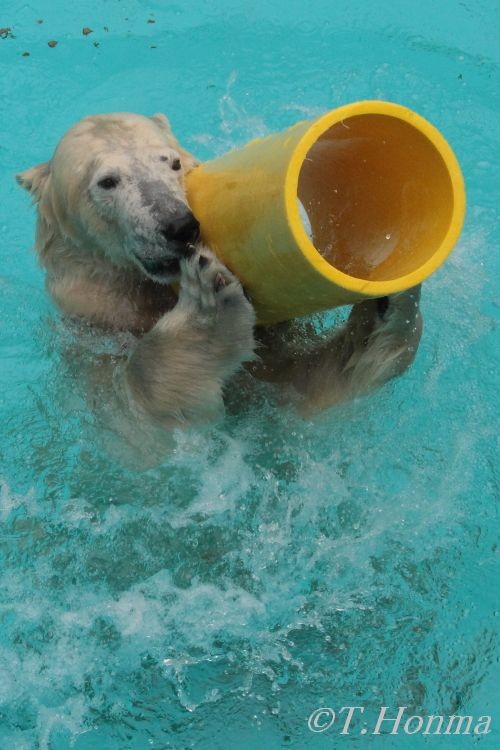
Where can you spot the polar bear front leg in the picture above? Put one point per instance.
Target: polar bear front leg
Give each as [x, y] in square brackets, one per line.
[378, 342]
[176, 373]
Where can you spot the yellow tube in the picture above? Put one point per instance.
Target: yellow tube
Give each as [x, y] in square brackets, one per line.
[384, 197]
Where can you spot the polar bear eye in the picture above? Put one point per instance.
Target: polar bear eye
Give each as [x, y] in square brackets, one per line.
[176, 163]
[108, 183]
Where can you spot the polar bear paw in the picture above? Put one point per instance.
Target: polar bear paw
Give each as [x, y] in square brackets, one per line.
[214, 301]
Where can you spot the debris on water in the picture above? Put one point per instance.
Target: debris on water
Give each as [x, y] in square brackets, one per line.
[26, 54]
[152, 46]
[52, 43]
[6, 33]
[105, 28]
[86, 31]
[150, 20]
[96, 44]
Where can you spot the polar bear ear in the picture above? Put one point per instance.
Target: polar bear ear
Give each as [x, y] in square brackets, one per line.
[33, 180]
[162, 122]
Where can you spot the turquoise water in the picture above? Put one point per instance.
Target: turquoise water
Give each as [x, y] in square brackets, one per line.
[271, 565]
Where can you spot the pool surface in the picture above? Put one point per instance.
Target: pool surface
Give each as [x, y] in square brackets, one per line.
[270, 565]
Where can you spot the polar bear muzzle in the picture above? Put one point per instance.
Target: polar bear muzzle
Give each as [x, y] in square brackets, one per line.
[183, 230]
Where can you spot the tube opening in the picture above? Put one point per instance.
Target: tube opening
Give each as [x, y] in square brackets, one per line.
[377, 196]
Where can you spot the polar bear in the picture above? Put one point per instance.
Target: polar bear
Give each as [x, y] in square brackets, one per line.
[115, 232]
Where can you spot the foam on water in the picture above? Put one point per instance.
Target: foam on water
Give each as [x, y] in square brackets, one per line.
[268, 565]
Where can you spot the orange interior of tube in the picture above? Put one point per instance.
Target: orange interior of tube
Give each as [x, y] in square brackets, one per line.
[378, 196]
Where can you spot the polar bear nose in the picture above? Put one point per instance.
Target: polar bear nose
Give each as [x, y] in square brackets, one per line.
[183, 229]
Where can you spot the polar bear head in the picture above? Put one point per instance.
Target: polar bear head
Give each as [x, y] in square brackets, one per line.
[114, 191]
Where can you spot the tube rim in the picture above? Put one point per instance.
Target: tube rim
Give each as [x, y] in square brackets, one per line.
[310, 252]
